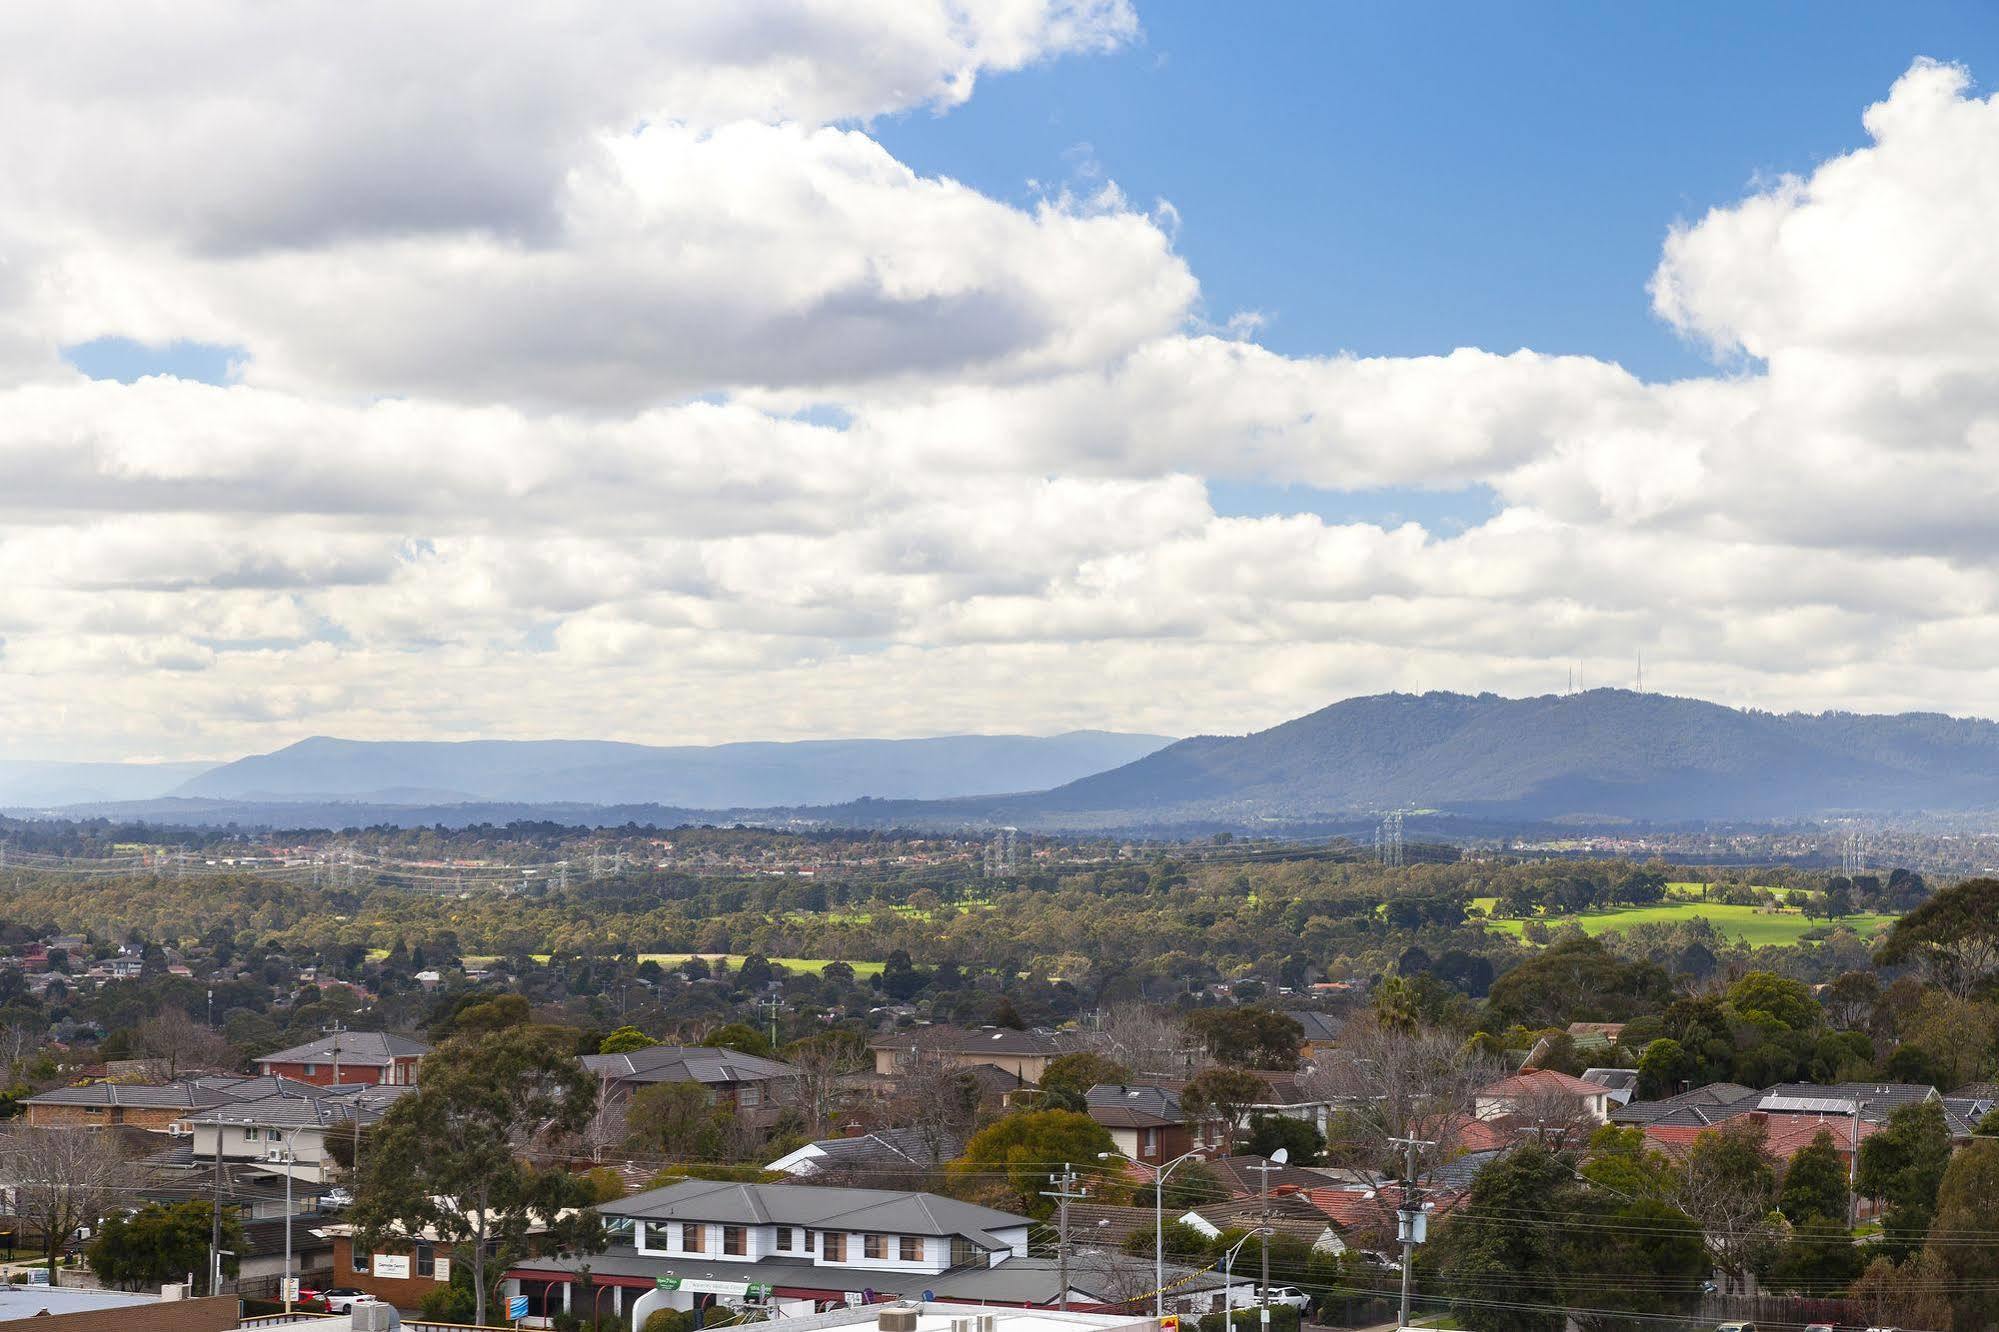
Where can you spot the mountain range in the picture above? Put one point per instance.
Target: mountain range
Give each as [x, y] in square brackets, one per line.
[1604, 756]
[324, 770]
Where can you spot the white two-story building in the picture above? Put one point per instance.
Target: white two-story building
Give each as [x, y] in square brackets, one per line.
[790, 1248]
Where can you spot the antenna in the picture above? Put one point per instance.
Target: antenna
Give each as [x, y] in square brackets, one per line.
[1641, 670]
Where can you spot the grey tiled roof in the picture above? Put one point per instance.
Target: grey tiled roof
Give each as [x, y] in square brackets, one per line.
[901, 1213]
[1116, 1105]
[369, 1049]
[287, 1110]
[1707, 1105]
[687, 1063]
[152, 1096]
[980, 1040]
[1319, 1027]
[892, 1147]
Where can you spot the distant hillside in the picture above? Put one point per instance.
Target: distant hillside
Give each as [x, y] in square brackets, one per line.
[1605, 754]
[31, 784]
[595, 772]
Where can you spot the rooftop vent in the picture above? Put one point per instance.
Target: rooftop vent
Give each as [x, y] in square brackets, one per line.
[898, 1320]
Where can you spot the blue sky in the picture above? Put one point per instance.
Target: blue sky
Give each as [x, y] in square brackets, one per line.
[1408, 178]
[749, 429]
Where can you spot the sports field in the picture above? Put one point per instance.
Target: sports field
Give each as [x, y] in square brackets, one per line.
[813, 965]
[1757, 926]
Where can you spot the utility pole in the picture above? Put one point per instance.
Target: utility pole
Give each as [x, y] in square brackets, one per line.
[771, 1004]
[215, 1219]
[1278, 1160]
[1412, 1224]
[1852, 1169]
[335, 1029]
[1063, 1193]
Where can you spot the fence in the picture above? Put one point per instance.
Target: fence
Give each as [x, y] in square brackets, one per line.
[1779, 1312]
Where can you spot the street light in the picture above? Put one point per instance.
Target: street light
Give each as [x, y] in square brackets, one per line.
[1159, 1176]
[1228, 1276]
[291, 1158]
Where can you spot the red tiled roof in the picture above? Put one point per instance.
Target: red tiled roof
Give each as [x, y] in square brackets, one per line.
[1786, 1135]
[1541, 1082]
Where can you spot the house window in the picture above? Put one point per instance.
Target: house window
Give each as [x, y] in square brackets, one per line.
[690, 1236]
[1150, 1145]
[311, 1069]
[733, 1241]
[249, 1135]
[963, 1252]
[426, 1258]
[912, 1249]
[833, 1246]
[875, 1246]
[272, 1135]
[359, 1259]
[784, 1238]
[749, 1096]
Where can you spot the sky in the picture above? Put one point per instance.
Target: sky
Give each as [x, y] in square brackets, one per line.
[803, 368]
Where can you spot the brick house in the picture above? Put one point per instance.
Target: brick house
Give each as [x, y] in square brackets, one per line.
[114, 1104]
[1148, 1124]
[1024, 1054]
[758, 1089]
[348, 1057]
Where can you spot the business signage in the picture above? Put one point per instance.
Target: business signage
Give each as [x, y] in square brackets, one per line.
[752, 1290]
[394, 1266]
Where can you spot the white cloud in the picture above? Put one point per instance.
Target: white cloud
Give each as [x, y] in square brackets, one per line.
[623, 385]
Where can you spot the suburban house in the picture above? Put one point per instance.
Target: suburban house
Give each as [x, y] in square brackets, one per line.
[1321, 1030]
[1244, 1176]
[1148, 1124]
[883, 1152]
[755, 1087]
[1024, 1054]
[1784, 1135]
[1698, 1107]
[1621, 1083]
[1541, 1094]
[114, 1104]
[349, 1056]
[1291, 1213]
[791, 1247]
[286, 1126]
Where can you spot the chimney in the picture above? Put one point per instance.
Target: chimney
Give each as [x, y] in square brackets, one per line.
[852, 1129]
[893, 1319]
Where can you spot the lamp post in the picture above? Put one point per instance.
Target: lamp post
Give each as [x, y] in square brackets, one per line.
[1228, 1276]
[1159, 1175]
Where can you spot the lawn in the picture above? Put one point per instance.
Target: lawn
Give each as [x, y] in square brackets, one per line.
[811, 965]
[1758, 926]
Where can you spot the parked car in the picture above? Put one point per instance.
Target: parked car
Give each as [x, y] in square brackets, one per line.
[1736, 1327]
[1820, 1327]
[342, 1299]
[1289, 1295]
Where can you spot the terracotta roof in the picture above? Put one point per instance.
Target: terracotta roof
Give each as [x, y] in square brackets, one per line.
[1541, 1082]
[1786, 1135]
[1238, 1175]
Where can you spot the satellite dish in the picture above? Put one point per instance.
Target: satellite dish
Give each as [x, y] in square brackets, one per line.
[1280, 1156]
[929, 1297]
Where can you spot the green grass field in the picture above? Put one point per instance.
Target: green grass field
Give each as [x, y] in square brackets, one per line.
[1756, 926]
[812, 965]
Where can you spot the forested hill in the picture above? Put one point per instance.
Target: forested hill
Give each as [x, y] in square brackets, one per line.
[1608, 753]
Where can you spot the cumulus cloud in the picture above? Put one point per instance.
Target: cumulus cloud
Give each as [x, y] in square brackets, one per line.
[623, 384]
